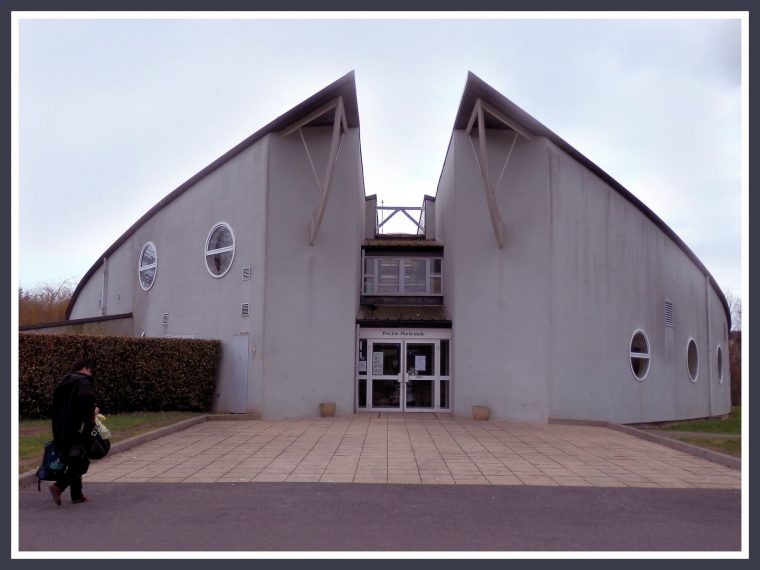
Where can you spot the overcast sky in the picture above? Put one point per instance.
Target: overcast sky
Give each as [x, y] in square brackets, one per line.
[115, 114]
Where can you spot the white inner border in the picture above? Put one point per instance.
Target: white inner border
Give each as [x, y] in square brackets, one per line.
[695, 377]
[141, 267]
[208, 252]
[640, 355]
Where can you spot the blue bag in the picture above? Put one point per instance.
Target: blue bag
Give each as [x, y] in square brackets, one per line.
[52, 466]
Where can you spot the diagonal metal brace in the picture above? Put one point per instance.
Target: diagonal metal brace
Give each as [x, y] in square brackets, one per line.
[340, 126]
[478, 115]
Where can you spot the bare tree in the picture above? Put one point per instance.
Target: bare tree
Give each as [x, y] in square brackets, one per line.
[44, 303]
[735, 308]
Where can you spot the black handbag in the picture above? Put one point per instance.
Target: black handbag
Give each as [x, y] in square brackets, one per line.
[98, 447]
[77, 461]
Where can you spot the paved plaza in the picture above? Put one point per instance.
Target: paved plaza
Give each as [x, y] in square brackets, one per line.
[409, 449]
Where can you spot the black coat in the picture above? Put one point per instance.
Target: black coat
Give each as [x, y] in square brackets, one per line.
[73, 410]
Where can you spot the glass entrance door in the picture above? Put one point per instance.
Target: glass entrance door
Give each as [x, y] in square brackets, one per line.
[385, 375]
[399, 375]
[420, 375]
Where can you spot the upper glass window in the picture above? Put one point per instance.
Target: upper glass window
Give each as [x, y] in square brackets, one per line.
[220, 250]
[385, 275]
[388, 272]
[415, 275]
[147, 266]
[639, 355]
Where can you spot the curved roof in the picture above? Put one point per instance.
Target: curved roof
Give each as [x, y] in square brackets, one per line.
[476, 88]
[344, 87]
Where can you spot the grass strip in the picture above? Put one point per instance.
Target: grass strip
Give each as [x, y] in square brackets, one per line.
[731, 447]
[731, 424]
[34, 434]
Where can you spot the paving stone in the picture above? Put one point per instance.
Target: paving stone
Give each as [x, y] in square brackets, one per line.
[377, 448]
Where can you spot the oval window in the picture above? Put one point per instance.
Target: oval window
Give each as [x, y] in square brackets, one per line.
[720, 365]
[692, 360]
[147, 266]
[220, 250]
[639, 355]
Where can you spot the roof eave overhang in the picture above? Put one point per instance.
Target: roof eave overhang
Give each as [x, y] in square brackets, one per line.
[379, 323]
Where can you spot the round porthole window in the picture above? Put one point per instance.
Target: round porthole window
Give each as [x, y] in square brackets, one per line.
[692, 360]
[147, 266]
[639, 354]
[220, 250]
[720, 365]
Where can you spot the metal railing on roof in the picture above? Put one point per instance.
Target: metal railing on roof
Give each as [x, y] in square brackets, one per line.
[385, 213]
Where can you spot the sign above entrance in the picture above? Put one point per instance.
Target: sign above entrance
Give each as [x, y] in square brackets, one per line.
[403, 333]
[409, 333]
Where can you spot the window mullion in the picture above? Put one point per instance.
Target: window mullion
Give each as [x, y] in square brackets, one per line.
[222, 250]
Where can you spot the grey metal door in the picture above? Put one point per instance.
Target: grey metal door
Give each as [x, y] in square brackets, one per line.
[238, 400]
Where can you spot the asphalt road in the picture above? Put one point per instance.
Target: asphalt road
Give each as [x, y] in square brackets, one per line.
[367, 517]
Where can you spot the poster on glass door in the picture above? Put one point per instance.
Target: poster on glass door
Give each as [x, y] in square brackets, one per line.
[377, 363]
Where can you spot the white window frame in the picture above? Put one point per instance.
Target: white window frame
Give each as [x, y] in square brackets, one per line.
[208, 252]
[141, 267]
[443, 377]
[644, 356]
[429, 276]
[694, 378]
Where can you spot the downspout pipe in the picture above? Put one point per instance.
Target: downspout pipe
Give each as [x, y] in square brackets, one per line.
[104, 290]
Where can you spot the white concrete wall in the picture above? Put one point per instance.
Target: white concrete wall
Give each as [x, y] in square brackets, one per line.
[303, 299]
[720, 384]
[542, 328]
[87, 303]
[119, 291]
[198, 304]
[497, 297]
[312, 291]
[611, 270]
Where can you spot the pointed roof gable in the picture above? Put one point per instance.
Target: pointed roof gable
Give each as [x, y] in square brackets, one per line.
[475, 88]
[344, 87]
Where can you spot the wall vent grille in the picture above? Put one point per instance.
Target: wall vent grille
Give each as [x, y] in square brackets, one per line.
[166, 318]
[669, 322]
[246, 273]
[244, 309]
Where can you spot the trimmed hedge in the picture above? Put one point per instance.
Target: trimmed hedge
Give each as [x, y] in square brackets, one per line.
[131, 374]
